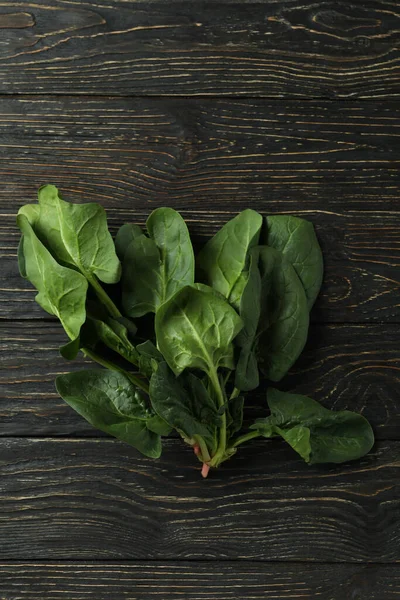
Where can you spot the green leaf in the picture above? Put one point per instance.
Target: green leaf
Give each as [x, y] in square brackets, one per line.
[77, 235]
[296, 239]
[21, 258]
[126, 234]
[223, 258]
[70, 350]
[158, 425]
[195, 329]
[155, 268]
[284, 320]
[319, 435]
[235, 408]
[246, 374]
[114, 335]
[149, 357]
[110, 402]
[185, 404]
[62, 291]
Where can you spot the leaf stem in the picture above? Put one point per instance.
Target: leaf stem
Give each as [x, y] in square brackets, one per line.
[245, 438]
[110, 365]
[104, 297]
[213, 375]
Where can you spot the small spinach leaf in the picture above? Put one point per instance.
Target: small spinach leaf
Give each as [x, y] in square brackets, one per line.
[296, 239]
[235, 409]
[62, 291]
[149, 357]
[184, 403]
[221, 262]
[77, 235]
[109, 401]
[195, 329]
[125, 235]
[319, 435]
[155, 268]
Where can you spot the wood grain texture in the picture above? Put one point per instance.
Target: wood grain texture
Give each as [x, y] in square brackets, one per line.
[99, 499]
[280, 48]
[344, 367]
[196, 580]
[334, 163]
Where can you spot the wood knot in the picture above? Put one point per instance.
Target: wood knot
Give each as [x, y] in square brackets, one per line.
[17, 20]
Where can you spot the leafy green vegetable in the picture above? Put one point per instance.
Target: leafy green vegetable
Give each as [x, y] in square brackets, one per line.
[195, 329]
[62, 291]
[194, 346]
[110, 402]
[184, 403]
[77, 235]
[149, 357]
[297, 241]
[155, 268]
[223, 259]
[282, 341]
[126, 234]
[319, 435]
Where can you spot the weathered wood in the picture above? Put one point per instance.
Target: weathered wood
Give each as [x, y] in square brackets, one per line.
[334, 163]
[197, 580]
[179, 48]
[99, 499]
[344, 367]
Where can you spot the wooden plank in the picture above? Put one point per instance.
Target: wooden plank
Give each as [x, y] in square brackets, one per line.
[99, 499]
[334, 163]
[187, 48]
[197, 580]
[344, 367]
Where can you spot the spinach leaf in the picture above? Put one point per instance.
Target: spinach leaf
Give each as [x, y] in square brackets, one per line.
[222, 260]
[62, 291]
[195, 328]
[114, 335]
[246, 375]
[155, 268]
[158, 425]
[149, 357]
[235, 411]
[319, 435]
[284, 322]
[296, 239]
[21, 258]
[185, 404]
[77, 235]
[125, 235]
[109, 401]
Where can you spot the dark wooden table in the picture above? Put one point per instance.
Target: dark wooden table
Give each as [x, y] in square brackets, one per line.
[209, 107]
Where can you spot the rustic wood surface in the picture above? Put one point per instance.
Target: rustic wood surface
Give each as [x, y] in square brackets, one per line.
[99, 499]
[279, 48]
[209, 107]
[196, 580]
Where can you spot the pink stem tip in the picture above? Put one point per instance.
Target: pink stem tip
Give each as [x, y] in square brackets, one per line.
[205, 470]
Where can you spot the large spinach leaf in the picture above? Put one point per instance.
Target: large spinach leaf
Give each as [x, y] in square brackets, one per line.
[155, 268]
[77, 235]
[109, 401]
[195, 328]
[185, 404]
[62, 291]
[296, 239]
[284, 318]
[223, 259]
[319, 435]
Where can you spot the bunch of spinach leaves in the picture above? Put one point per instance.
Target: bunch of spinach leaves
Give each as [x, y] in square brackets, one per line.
[182, 338]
